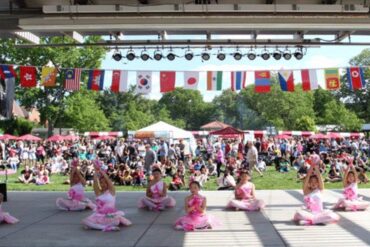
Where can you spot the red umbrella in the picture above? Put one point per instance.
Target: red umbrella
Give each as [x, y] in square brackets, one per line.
[71, 138]
[8, 137]
[319, 136]
[333, 135]
[282, 136]
[103, 138]
[29, 138]
[56, 138]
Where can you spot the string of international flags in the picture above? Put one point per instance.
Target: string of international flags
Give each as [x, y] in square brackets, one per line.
[214, 79]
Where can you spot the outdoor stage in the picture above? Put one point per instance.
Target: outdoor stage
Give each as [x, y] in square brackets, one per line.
[43, 225]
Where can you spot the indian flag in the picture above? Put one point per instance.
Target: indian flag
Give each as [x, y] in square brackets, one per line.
[214, 80]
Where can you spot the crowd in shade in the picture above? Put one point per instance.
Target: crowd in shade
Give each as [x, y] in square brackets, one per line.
[129, 163]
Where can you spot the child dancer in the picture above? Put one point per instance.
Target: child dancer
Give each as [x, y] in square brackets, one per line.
[245, 195]
[156, 194]
[76, 195]
[106, 217]
[195, 208]
[351, 200]
[312, 188]
[4, 216]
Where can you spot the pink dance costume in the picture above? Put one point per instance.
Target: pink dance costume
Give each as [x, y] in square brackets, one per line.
[106, 217]
[157, 202]
[196, 220]
[6, 217]
[76, 200]
[247, 202]
[351, 200]
[314, 213]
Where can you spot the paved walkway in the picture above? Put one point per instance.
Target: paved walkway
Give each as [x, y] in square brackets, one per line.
[42, 225]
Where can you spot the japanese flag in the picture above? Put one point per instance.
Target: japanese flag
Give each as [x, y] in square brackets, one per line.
[191, 79]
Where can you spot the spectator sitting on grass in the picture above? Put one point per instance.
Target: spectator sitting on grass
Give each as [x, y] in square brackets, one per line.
[302, 171]
[127, 178]
[176, 182]
[362, 176]
[138, 177]
[42, 178]
[226, 182]
[261, 165]
[212, 169]
[26, 176]
[284, 165]
[333, 175]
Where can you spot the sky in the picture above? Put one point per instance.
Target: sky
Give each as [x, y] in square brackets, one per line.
[322, 57]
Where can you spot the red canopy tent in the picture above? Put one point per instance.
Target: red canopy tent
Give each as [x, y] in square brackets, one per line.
[71, 138]
[283, 136]
[8, 137]
[334, 135]
[228, 132]
[319, 136]
[29, 138]
[56, 138]
[103, 138]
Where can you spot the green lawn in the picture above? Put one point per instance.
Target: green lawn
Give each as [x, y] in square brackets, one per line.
[271, 180]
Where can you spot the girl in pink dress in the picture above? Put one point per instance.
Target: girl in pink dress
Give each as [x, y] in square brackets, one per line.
[76, 195]
[195, 208]
[156, 194]
[313, 186]
[4, 216]
[245, 195]
[351, 200]
[106, 217]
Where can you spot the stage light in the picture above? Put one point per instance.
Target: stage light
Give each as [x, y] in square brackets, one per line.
[277, 54]
[205, 56]
[251, 54]
[117, 55]
[298, 54]
[171, 56]
[130, 55]
[189, 55]
[158, 55]
[221, 56]
[265, 54]
[287, 54]
[238, 55]
[144, 55]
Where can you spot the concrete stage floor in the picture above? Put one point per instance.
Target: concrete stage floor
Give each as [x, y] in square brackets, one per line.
[45, 226]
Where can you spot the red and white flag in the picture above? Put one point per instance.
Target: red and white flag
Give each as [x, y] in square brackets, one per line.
[144, 82]
[191, 79]
[309, 79]
[28, 76]
[167, 81]
[119, 81]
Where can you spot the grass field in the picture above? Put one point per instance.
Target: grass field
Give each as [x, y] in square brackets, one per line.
[271, 180]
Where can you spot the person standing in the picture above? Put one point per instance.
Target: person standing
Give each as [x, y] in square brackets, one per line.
[149, 159]
[163, 151]
[220, 159]
[252, 157]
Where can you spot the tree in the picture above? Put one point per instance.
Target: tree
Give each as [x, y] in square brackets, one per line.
[305, 123]
[50, 102]
[83, 114]
[321, 98]
[188, 106]
[282, 109]
[337, 114]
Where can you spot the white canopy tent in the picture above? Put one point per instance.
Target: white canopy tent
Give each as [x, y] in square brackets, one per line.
[168, 131]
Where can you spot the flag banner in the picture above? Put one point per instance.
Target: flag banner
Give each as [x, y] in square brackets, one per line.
[332, 79]
[27, 76]
[167, 81]
[119, 81]
[48, 76]
[214, 80]
[356, 78]
[73, 77]
[144, 82]
[96, 80]
[262, 81]
[7, 71]
[309, 79]
[191, 79]
[238, 80]
[286, 80]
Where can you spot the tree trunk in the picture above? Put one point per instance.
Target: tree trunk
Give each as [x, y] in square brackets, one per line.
[50, 128]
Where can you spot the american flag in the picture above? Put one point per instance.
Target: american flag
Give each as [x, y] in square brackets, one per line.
[73, 77]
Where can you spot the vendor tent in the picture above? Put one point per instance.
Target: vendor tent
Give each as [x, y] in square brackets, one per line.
[228, 132]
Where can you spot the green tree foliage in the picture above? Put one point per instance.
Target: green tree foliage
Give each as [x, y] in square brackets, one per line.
[16, 126]
[321, 98]
[187, 106]
[83, 114]
[305, 123]
[282, 109]
[50, 101]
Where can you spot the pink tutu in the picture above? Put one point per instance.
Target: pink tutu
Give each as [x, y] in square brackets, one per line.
[7, 218]
[106, 217]
[76, 200]
[247, 203]
[351, 200]
[157, 202]
[314, 213]
[196, 220]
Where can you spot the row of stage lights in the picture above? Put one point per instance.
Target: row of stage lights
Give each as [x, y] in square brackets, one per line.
[205, 55]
